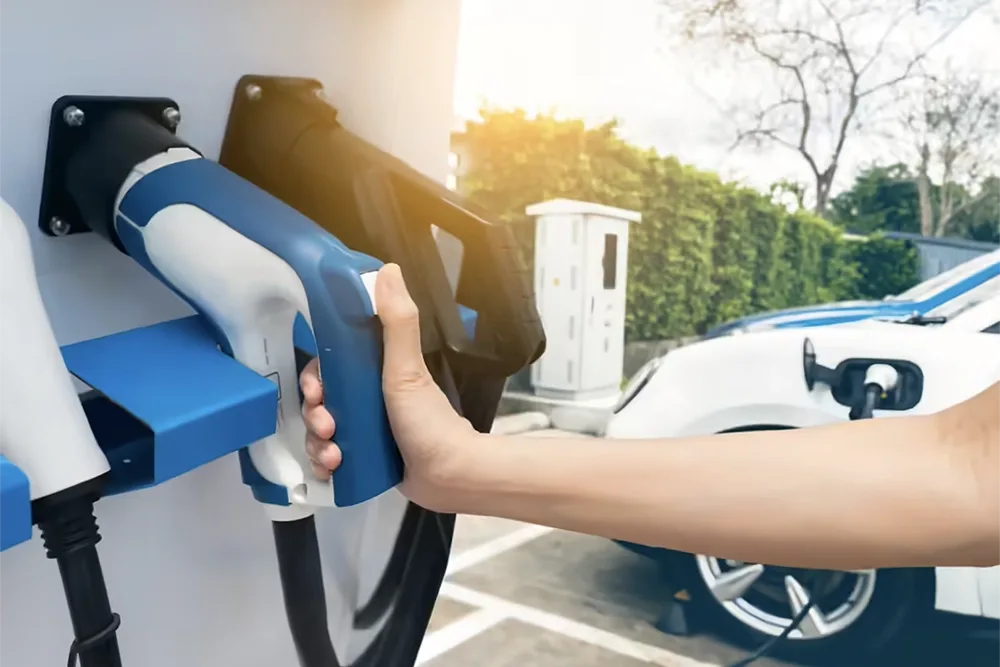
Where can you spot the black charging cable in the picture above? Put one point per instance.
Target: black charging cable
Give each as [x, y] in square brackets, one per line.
[769, 645]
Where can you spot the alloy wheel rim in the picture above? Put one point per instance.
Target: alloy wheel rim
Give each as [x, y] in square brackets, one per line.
[766, 597]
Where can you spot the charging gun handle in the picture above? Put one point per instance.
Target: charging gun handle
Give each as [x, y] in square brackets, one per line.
[349, 344]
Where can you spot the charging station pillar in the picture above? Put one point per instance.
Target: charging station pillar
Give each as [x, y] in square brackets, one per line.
[581, 269]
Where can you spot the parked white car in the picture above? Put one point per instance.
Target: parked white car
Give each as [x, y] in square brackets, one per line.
[740, 383]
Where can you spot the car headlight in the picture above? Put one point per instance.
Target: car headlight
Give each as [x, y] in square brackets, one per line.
[636, 383]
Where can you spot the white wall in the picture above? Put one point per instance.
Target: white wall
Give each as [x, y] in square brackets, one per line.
[190, 564]
[387, 64]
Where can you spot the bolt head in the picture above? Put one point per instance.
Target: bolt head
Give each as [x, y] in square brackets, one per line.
[73, 116]
[58, 226]
[253, 91]
[172, 117]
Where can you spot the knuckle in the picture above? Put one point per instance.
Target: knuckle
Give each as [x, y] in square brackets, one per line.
[407, 312]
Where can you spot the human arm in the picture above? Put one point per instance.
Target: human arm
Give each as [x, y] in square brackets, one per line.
[899, 492]
[905, 491]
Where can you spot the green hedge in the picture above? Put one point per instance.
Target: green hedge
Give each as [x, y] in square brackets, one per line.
[705, 252]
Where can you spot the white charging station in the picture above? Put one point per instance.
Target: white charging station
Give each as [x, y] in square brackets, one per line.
[581, 269]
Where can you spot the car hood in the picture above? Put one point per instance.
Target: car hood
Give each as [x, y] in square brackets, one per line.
[804, 316]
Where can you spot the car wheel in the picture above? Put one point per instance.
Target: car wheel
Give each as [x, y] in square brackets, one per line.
[855, 614]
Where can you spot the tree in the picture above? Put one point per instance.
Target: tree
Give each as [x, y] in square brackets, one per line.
[884, 267]
[833, 63]
[887, 198]
[514, 160]
[954, 128]
[882, 198]
[981, 220]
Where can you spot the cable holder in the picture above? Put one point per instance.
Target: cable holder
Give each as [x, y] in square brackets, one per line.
[105, 635]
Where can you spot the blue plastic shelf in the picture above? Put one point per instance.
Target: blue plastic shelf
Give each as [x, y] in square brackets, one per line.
[166, 401]
[169, 401]
[15, 505]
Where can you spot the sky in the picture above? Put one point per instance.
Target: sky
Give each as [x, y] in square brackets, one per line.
[597, 59]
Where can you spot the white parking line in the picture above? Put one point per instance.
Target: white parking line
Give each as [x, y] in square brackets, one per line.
[567, 627]
[484, 552]
[491, 610]
[456, 633]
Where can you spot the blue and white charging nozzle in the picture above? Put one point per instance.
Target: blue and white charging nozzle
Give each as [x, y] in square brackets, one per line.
[251, 265]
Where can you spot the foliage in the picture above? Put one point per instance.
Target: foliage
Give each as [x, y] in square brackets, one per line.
[705, 252]
[513, 161]
[885, 266]
[882, 198]
[886, 198]
[981, 221]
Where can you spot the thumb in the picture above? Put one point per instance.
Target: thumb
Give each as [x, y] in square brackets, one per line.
[403, 367]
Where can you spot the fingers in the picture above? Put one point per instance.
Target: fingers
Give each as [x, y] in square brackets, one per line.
[312, 387]
[404, 362]
[319, 421]
[324, 456]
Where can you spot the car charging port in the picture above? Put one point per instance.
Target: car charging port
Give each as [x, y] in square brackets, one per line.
[851, 382]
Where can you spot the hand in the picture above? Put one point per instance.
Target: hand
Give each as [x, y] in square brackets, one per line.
[427, 429]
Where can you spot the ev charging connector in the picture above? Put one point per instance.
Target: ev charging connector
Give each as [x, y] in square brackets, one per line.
[45, 433]
[880, 380]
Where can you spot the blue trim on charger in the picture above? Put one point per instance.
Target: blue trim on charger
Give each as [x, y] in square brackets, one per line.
[15, 505]
[342, 315]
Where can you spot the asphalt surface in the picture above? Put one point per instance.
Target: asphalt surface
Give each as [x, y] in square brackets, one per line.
[525, 596]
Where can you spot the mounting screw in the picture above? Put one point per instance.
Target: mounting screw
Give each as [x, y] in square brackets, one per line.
[172, 117]
[73, 116]
[253, 91]
[58, 226]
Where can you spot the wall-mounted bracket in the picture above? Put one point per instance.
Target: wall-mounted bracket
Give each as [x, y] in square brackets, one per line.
[71, 122]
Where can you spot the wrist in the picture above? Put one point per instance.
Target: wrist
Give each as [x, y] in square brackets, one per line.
[461, 472]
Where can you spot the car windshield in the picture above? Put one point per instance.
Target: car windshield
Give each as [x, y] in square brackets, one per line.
[969, 300]
[946, 279]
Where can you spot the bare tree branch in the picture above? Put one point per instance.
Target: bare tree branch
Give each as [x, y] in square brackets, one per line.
[955, 121]
[833, 61]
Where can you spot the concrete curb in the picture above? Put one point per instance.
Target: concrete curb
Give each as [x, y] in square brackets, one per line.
[521, 422]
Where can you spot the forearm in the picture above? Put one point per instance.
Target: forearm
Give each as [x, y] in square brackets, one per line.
[877, 493]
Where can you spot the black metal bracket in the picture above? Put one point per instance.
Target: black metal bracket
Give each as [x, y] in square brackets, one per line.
[70, 123]
[815, 372]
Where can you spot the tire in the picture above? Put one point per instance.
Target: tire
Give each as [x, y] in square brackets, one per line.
[894, 600]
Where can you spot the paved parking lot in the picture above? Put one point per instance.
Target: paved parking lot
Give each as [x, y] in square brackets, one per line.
[525, 596]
